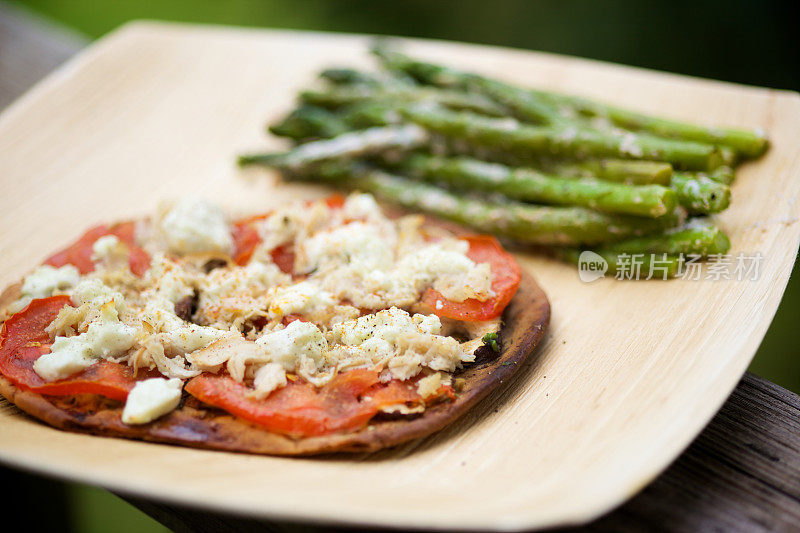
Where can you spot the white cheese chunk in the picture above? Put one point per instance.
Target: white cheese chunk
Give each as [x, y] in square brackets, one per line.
[358, 244]
[46, 279]
[360, 206]
[151, 399]
[107, 336]
[68, 356]
[105, 247]
[387, 325]
[428, 385]
[301, 298]
[168, 280]
[290, 345]
[109, 252]
[95, 292]
[194, 225]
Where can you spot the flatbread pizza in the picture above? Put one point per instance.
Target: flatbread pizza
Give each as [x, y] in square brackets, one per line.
[321, 326]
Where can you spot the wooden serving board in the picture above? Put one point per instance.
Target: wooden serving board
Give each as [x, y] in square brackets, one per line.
[627, 377]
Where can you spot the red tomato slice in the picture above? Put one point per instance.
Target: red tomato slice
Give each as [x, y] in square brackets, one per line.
[23, 339]
[283, 256]
[506, 276]
[79, 253]
[299, 409]
[245, 241]
[392, 393]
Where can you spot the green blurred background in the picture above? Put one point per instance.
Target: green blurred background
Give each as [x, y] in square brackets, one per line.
[738, 40]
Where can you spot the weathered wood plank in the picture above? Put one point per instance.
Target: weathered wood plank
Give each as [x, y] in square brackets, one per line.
[741, 474]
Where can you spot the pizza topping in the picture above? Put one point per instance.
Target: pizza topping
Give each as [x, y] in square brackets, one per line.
[313, 301]
[105, 337]
[93, 292]
[304, 298]
[80, 254]
[505, 281]
[68, 356]
[24, 339]
[168, 281]
[110, 252]
[151, 399]
[269, 377]
[361, 207]
[447, 269]
[229, 297]
[429, 385]
[194, 225]
[44, 281]
[400, 343]
[347, 402]
[175, 336]
[293, 344]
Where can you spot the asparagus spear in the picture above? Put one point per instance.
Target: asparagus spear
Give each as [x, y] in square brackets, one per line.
[339, 96]
[464, 173]
[354, 144]
[349, 76]
[748, 143]
[510, 135]
[525, 223]
[308, 122]
[723, 174]
[646, 265]
[629, 171]
[523, 103]
[693, 239]
[700, 194]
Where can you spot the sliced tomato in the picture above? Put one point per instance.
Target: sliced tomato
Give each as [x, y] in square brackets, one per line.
[245, 241]
[299, 409]
[283, 256]
[80, 252]
[23, 339]
[393, 393]
[506, 276]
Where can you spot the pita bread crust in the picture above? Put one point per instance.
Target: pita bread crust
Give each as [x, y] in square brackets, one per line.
[525, 321]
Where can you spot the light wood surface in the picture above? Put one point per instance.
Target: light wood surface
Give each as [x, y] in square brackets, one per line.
[628, 376]
[739, 476]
